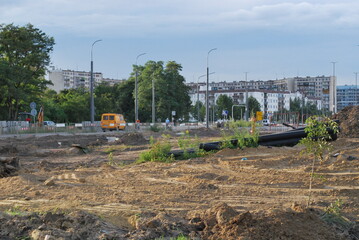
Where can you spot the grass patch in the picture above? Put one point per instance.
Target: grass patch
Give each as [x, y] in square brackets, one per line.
[16, 211]
[333, 215]
[179, 237]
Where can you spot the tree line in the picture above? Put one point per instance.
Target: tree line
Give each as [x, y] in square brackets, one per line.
[25, 56]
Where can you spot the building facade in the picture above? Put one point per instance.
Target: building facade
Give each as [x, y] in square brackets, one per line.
[347, 95]
[67, 79]
[320, 90]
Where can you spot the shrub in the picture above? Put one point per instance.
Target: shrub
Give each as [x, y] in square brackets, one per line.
[156, 128]
[316, 143]
[242, 135]
[187, 142]
[158, 152]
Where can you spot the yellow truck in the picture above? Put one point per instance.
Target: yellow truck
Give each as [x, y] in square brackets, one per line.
[112, 121]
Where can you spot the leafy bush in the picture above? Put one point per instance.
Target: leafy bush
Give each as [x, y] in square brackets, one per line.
[333, 215]
[186, 142]
[158, 152]
[316, 143]
[156, 128]
[240, 137]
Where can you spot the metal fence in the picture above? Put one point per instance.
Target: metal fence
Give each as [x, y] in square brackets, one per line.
[24, 127]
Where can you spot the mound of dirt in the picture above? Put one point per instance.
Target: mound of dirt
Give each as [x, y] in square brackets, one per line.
[76, 225]
[9, 166]
[132, 139]
[224, 222]
[349, 121]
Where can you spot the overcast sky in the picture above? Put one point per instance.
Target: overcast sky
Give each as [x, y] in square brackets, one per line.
[269, 39]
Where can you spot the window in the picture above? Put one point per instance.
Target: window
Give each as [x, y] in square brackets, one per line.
[112, 117]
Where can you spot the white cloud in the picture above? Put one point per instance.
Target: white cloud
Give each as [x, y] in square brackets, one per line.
[128, 17]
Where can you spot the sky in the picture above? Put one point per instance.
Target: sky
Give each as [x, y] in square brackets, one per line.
[268, 39]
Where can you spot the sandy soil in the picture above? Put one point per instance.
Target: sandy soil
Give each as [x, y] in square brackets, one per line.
[71, 187]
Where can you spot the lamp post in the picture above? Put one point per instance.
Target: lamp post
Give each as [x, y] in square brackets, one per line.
[153, 100]
[198, 118]
[92, 103]
[247, 107]
[356, 89]
[333, 93]
[207, 99]
[136, 89]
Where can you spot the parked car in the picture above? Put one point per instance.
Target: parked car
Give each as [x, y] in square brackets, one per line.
[49, 123]
[266, 122]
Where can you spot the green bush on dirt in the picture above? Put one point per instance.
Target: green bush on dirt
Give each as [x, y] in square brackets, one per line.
[187, 142]
[243, 135]
[158, 152]
[316, 143]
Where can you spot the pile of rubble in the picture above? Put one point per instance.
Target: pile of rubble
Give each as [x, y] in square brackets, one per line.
[8, 166]
[349, 121]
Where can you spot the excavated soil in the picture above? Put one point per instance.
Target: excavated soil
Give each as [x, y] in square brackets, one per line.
[349, 121]
[88, 187]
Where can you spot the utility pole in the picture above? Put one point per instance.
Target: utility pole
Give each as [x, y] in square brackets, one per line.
[356, 89]
[247, 106]
[333, 93]
[92, 102]
[207, 98]
[136, 88]
[153, 101]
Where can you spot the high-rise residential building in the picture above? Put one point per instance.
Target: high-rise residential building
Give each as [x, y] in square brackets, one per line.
[67, 79]
[320, 90]
[347, 95]
[322, 87]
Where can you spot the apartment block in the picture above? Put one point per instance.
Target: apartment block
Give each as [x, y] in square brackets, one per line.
[320, 90]
[67, 79]
[347, 95]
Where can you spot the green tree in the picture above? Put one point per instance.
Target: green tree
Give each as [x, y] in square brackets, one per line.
[105, 98]
[24, 56]
[224, 103]
[76, 104]
[253, 105]
[125, 99]
[198, 111]
[52, 109]
[171, 93]
[316, 142]
[295, 105]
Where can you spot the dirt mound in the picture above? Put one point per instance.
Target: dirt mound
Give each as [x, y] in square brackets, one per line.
[349, 121]
[9, 166]
[132, 139]
[223, 222]
[76, 225]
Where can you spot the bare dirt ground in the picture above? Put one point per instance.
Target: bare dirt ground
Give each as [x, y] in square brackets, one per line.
[93, 190]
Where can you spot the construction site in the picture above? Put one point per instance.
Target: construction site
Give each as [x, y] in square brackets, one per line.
[92, 186]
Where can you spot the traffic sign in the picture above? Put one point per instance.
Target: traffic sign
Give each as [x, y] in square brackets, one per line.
[33, 112]
[259, 116]
[33, 105]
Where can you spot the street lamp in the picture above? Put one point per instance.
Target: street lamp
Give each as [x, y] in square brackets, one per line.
[207, 103]
[198, 118]
[247, 106]
[356, 89]
[333, 93]
[136, 89]
[92, 103]
[153, 100]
